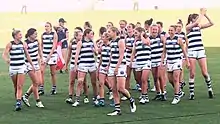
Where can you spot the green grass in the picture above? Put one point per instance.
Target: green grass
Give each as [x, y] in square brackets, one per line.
[200, 111]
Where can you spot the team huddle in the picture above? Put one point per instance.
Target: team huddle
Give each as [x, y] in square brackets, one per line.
[110, 61]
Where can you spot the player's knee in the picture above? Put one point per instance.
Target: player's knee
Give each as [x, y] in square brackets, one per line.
[72, 82]
[80, 81]
[52, 73]
[114, 90]
[205, 74]
[192, 75]
[175, 80]
[19, 86]
[101, 84]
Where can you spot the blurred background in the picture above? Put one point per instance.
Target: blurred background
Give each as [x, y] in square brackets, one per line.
[79, 5]
[99, 12]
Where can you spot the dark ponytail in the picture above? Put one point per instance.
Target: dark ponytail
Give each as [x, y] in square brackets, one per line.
[189, 19]
[88, 24]
[149, 22]
[30, 32]
[180, 22]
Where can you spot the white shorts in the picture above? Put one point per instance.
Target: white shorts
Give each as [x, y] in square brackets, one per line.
[52, 61]
[121, 72]
[103, 70]
[174, 66]
[15, 71]
[197, 54]
[87, 69]
[128, 63]
[157, 64]
[133, 66]
[146, 66]
[97, 64]
[29, 67]
[72, 67]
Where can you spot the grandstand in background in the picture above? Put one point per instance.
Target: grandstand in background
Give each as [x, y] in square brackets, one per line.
[81, 5]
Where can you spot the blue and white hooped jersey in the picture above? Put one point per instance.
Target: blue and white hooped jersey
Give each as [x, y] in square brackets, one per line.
[99, 54]
[156, 49]
[105, 54]
[181, 35]
[87, 58]
[32, 49]
[173, 49]
[47, 41]
[17, 56]
[129, 43]
[143, 53]
[73, 53]
[195, 39]
[115, 54]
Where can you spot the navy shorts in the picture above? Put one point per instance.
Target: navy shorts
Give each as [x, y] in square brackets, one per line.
[64, 44]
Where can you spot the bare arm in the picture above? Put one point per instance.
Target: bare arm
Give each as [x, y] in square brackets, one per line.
[100, 61]
[78, 48]
[99, 48]
[40, 53]
[207, 25]
[133, 53]
[69, 52]
[163, 56]
[67, 34]
[6, 52]
[109, 60]
[41, 44]
[54, 45]
[186, 43]
[130, 48]
[121, 47]
[163, 39]
[180, 42]
[95, 48]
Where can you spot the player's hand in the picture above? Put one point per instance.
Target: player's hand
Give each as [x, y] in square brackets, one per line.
[33, 69]
[47, 60]
[8, 61]
[66, 69]
[42, 62]
[187, 64]
[203, 11]
[161, 65]
[75, 68]
[116, 71]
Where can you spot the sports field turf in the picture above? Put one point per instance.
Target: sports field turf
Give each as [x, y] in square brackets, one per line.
[200, 111]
